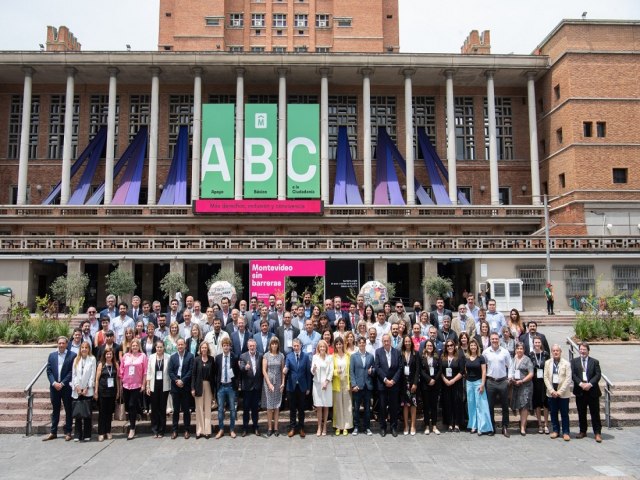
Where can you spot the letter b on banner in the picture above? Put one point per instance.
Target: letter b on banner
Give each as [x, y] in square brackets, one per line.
[260, 151]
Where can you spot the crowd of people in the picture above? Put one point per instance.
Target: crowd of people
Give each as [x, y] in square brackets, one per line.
[353, 364]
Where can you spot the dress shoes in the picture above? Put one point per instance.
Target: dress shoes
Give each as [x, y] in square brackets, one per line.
[505, 432]
[68, 437]
[174, 435]
[302, 434]
[581, 435]
[554, 435]
[566, 437]
[598, 438]
[51, 436]
[243, 434]
[232, 434]
[220, 434]
[394, 432]
[257, 432]
[383, 433]
[187, 435]
[291, 433]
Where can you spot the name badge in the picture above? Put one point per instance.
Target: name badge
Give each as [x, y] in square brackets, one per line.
[516, 375]
[158, 374]
[288, 343]
[448, 372]
[406, 370]
[584, 377]
[132, 370]
[555, 378]
[309, 348]
[110, 383]
[431, 371]
[539, 373]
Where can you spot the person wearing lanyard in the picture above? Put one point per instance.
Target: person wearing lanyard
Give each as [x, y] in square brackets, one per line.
[451, 374]
[586, 375]
[133, 373]
[83, 382]
[539, 403]
[106, 392]
[498, 362]
[180, 371]
[226, 381]
[520, 376]
[158, 386]
[286, 333]
[202, 382]
[361, 373]
[430, 385]
[557, 378]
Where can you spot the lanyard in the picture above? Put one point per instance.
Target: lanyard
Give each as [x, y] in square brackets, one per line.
[538, 360]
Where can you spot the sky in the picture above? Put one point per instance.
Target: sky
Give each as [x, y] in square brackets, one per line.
[517, 26]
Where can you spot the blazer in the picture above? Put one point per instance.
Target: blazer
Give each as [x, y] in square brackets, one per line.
[273, 324]
[335, 381]
[258, 338]
[280, 334]
[433, 317]
[198, 378]
[451, 335]
[238, 348]
[414, 371]
[359, 375]
[425, 372]
[524, 339]
[456, 326]
[593, 377]
[298, 373]
[179, 318]
[83, 378]
[333, 321]
[384, 371]
[187, 371]
[564, 372]
[248, 380]
[151, 372]
[219, 368]
[65, 373]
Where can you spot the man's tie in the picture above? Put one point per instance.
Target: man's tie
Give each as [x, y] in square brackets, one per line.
[226, 375]
[297, 358]
[584, 365]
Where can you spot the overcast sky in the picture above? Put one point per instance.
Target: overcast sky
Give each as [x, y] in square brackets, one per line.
[516, 26]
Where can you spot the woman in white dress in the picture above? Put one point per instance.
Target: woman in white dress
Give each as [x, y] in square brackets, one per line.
[322, 371]
[342, 410]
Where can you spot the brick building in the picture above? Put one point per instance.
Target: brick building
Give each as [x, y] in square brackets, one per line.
[555, 122]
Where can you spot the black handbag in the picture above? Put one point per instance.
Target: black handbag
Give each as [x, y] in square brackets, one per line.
[81, 408]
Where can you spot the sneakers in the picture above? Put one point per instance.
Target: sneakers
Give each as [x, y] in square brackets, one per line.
[355, 432]
[369, 432]
[435, 430]
[554, 435]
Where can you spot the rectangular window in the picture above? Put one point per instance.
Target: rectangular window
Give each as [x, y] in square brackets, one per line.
[465, 192]
[262, 99]
[99, 113]
[343, 111]
[620, 175]
[139, 113]
[322, 50]
[383, 114]
[279, 20]
[504, 128]
[464, 125]
[322, 20]
[626, 279]
[279, 49]
[212, 21]
[236, 48]
[303, 99]
[587, 129]
[257, 20]
[543, 146]
[56, 126]
[559, 135]
[343, 22]
[180, 113]
[218, 98]
[601, 129]
[236, 20]
[504, 195]
[15, 126]
[561, 180]
[579, 280]
[257, 49]
[302, 49]
[424, 116]
[556, 91]
[301, 20]
[533, 279]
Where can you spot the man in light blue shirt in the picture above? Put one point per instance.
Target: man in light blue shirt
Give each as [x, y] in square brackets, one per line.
[309, 338]
[495, 319]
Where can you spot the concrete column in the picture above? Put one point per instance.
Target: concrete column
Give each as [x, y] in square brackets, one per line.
[451, 140]
[23, 166]
[324, 135]
[111, 135]
[197, 133]
[127, 266]
[380, 270]
[153, 137]
[533, 139]
[366, 107]
[239, 160]
[68, 138]
[282, 133]
[430, 268]
[408, 122]
[75, 266]
[228, 265]
[176, 266]
[493, 150]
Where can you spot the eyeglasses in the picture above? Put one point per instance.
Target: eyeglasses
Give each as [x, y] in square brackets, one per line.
[450, 346]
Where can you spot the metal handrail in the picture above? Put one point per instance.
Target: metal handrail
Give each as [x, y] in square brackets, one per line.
[28, 390]
[608, 384]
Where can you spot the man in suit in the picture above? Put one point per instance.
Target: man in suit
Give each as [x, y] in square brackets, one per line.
[278, 314]
[264, 315]
[286, 333]
[174, 315]
[224, 314]
[239, 339]
[306, 303]
[227, 374]
[232, 325]
[437, 315]
[361, 374]
[445, 333]
[415, 315]
[297, 368]
[263, 337]
[110, 311]
[527, 338]
[147, 316]
[250, 365]
[135, 309]
[180, 370]
[59, 369]
[388, 371]
[336, 314]
[586, 375]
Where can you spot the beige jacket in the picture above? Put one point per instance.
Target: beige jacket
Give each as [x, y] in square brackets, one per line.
[456, 326]
[564, 372]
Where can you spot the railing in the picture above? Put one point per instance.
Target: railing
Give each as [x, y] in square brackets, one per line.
[608, 385]
[29, 393]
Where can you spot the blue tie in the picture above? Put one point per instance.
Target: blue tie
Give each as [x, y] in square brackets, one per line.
[226, 375]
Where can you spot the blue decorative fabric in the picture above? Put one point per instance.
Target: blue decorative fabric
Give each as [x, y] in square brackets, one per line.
[175, 188]
[346, 191]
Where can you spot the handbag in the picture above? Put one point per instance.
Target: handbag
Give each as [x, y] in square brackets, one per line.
[81, 408]
[120, 413]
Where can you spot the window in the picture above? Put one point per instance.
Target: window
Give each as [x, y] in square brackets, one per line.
[56, 126]
[212, 21]
[579, 279]
[322, 20]
[559, 135]
[98, 114]
[15, 126]
[504, 195]
[180, 113]
[504, 128]
[257, 20]
[236, 20]
[556, 91]
[257, 49]
[541, 105]
[383, 114]
[601, 129]
[301, 20]
[14, 195]
[279, 20]
[620, 175]
[626, 279]
[343, 111]
[301, 49]
[303, 99]
[343, 22]
[561, 180]
[533, 279]
[543, 146]
[464, 125]
[279, 49]
[236, 48]
[139, 113]
[217, 98]
[587, 129]
[257, 31]
[424, 116]
[263, 99]
[322, 50]
[465, 192]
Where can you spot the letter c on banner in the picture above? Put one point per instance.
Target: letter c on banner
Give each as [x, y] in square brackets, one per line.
[311, 171]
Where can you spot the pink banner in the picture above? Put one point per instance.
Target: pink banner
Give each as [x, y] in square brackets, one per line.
[258, 206]
[268, 276]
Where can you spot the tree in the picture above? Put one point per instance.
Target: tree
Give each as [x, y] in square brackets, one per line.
[171, 283]
[120, 282]
[70, 289]
[437, 287]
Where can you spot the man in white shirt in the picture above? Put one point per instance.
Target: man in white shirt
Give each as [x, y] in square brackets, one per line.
[498, 362]
[185, 326]
[214, 338]
[373, 342]
[198, 316]
[382, 326]
[472, 308]
[120, 323]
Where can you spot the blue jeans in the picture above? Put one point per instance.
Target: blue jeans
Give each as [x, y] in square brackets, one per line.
[559, 405]
[478, 408]
[227, 394]
[362, 397]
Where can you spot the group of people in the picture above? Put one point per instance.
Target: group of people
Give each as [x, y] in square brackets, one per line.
[352, 363]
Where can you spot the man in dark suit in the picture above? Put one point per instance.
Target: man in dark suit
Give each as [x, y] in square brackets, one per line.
[224, 314]
[527, 338]
[227, 374]
[174, 314]
[180, 370]
[436, 316]
[250, 365]
[239, 339]
[136, 310]
[59, 369]
[586, 375]
[387, 366]
[286, 333]
[415, 315]
[297, 368]
[361, 374]
[336, 314]
[264, 315]
[147, 316]
[263, 337]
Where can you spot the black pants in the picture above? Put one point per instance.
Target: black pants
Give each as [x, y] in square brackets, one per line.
[83, 425]
[430, 405]
[452, 405]
[495, 391]
[250, 407]
[549, 306]
[59, 398]
[132, 403]
[181, 401]
[593, 404]
[106, 407]
[297, 400]
[159, 411]
[389, 404]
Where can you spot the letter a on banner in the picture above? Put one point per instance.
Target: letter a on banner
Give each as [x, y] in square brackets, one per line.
[260, 151]
[218, 150]
[303, 151]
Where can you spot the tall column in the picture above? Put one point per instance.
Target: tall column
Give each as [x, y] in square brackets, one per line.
[23, 166]
[533, 139]
[111, 135]
[197, 133]
[408, 122]
[324, 135]
[153, 136]
[380, 270]
[239, 132]
[451, 140]
[430, 270]
[366, 107]
[68, 138]
[493, 150]
[282, 133]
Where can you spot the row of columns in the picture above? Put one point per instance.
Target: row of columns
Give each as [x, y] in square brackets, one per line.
[282, 136]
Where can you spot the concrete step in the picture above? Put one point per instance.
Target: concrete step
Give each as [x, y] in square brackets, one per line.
[21, 403]
[19, 393]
